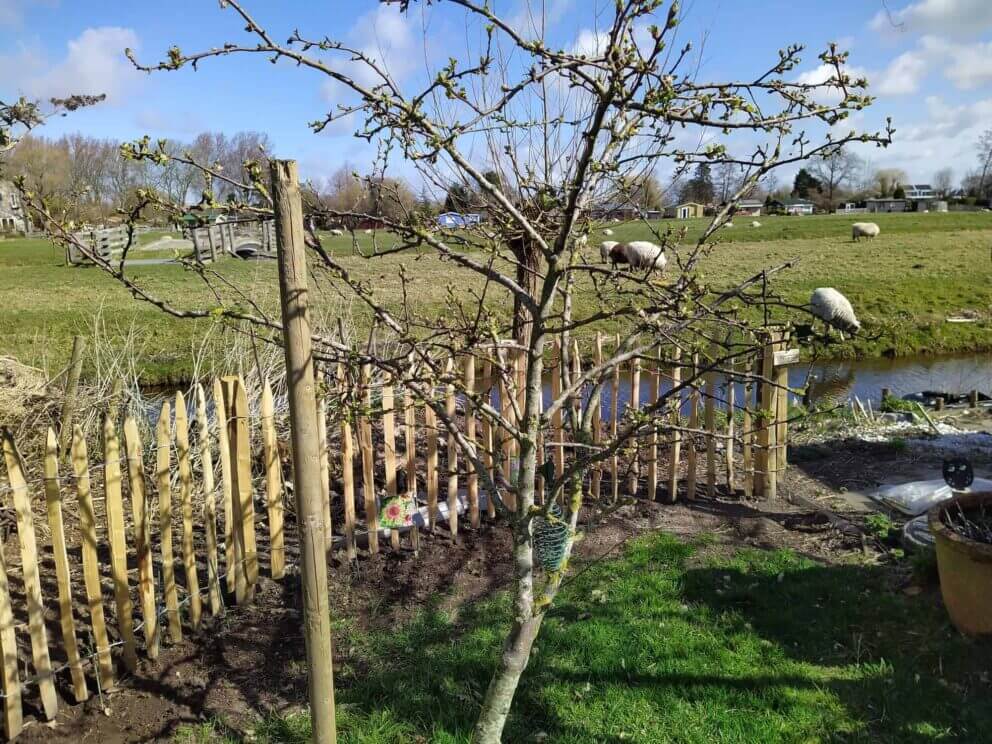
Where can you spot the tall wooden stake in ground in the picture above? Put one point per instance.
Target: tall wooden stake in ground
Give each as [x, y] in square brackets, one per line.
[304, 437]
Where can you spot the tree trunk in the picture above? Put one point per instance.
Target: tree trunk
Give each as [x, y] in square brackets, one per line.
[528, 258]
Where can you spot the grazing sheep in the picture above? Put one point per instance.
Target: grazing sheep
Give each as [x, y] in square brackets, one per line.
[337, 231]
[728, 224]
[640, 254]
[368, 232]
[755, 224]
[607, 232]
[604, 249]
[834, 309]
[864, 230]
[582, 241]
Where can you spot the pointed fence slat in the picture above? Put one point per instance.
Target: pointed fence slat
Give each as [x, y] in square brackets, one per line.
[186, 502]
[273, 485]
[53, 499]
[32, 577]
[13, 716]
[731, 428]
[449, 409]
[635, 406]
[487, 437]
[654, 391]
[709, 408]
[243, 506]
[597, 424]
[430, 424]
[142, 536]
[472, 478]
[118, 541]
[614, 427]
[163, 479]
[347, 474]
[691, 457]
[368, 463]
[410, 436]
[747, 435]
[557, 432]
[231, 564]
[389, 453]
[675, 452]
[91, 560]
[325, 465]
[209, 499]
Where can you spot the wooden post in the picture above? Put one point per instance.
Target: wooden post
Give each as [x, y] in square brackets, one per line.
[13, 716]
[430, 423]
[938, 403]
[614, 427]
[142, 536]
[731, 429]
[186, 502]
[710, 411]
[634, 406]
[973, 399]
[273, 485]
[53, 499]
[654, 392]
[239, 441]
[690, 483]
[676, 415]
[764, 482]
[472, 478]
[73, 373]
[558, 450]
[32, 576]
[325, 465]
[91, 566]
[597, 424]
[410, 453]
[163, 441]
[449, 409]
[209, 499]
[487, 438]
[347, 472]
[302, 407]
[389, 453]
[782, 411]
[368, 463]
[747, 436]
[885, 394]
[118, 539]
[231, 563]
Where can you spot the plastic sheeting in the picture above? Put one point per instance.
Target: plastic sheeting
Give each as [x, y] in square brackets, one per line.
[917, 497]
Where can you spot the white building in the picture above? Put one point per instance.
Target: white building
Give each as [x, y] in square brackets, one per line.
[11, 211]
[920, 191]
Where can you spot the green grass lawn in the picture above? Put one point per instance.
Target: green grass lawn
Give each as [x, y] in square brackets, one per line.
[670, 643]
[903, 286]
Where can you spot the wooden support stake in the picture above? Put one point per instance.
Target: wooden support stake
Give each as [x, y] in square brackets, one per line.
[368, 463]
[273, 485]
[91, 565]
[597, 424]
[239, 440]
[782, 411]
[449, 409]
[747, 435]
[290, 243]
[13, 716]
[231, 563]
[634, 476]
[676, 415]
[186, 502]
[118, 540]
[690, 482]
[472, 478]
[557, 431]
[487, 439]
[389, 453]
[731, 429]
[73, 373]
[764, 481]
[615, 426]
[325, 464]
[410, 443]
[31, 574]
[53, 499]
[209, 499]
[430, 423]
[709, 408]
[142, 536]
[654, 392]
[347, 475]
[163, 439]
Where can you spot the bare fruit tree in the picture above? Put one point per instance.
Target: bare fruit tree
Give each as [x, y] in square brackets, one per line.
[535, 138]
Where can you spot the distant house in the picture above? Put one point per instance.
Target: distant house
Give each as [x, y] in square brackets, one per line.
[852, 208]
[749, 208]
[887, 204]
[791, 206]
[686, 211]
[11, 210]
[616, 211]
[920, 191]
[457, 220]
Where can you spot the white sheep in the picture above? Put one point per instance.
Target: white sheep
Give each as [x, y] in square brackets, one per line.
[728, 224]
[640, 254]
[864, 230]
[337, 231]
[834, 309]
[582, 241]
[604, 249]
[607, 232]
[755, 224]
[368, 232]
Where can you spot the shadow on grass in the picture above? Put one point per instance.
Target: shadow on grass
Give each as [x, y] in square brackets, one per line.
[663, 645]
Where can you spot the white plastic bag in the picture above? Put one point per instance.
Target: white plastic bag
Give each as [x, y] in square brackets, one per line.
[916, 497]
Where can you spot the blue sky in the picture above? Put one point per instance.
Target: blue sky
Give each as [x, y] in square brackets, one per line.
[929, 62]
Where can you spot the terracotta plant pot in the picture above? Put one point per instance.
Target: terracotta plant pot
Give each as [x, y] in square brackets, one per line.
[965, 568]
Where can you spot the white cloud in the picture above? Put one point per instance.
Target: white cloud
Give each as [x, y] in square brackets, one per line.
[12, 11]
[902, 76]
[590, 43]
[966, 65]
[94, 64]
[821, 75]
[952, 17]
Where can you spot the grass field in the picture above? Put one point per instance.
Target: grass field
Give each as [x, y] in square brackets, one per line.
[673, 643]
[904, 284]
